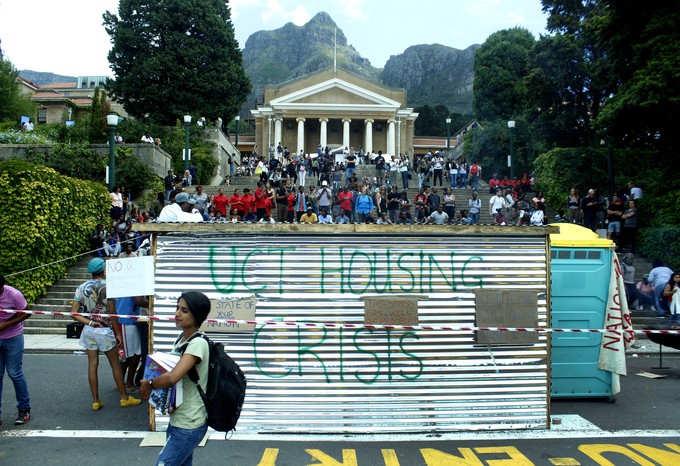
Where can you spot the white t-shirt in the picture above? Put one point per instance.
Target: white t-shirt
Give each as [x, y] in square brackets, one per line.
[496, 202]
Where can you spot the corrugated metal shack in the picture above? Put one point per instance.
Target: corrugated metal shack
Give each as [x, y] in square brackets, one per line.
[319, 379]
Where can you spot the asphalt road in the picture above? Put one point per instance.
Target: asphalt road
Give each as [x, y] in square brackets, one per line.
[641, 427]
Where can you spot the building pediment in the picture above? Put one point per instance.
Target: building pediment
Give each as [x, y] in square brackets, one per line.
[334, 92]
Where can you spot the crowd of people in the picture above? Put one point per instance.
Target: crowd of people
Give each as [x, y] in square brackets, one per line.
[618, 215]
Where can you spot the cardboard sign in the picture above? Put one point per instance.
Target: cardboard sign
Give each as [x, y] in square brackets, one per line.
[231, 309]
[391, 310]
[133, 276]
[502, 308]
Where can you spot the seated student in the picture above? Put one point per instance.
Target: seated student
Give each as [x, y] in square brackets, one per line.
[234, 217]
[383, 219]
[439, 217]
[112, 245]
[309, 216]
[97, 241]
[341, 218]
[325, 217]
[404, 218]
[644, 293]
[500, 218]
[421, 217]
[218, 217]
[250, 216]
[127, 252]
[538, 215]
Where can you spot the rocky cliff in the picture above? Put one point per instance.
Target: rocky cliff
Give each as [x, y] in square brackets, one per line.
[431, 74]
[273, 57]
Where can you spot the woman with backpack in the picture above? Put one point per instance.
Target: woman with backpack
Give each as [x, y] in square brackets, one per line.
[189, 421]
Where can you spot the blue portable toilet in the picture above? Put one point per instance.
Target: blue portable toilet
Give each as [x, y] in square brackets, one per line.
[580, 269]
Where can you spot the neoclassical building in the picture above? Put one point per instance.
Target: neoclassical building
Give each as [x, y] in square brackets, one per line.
[334, 108]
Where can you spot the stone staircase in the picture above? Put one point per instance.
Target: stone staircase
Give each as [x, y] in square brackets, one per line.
[462, 195]
[57, 299]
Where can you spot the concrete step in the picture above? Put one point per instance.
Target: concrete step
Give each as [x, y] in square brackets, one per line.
[55, 322]
[45, 330]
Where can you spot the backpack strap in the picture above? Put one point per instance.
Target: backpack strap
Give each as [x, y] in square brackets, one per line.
[193, 373]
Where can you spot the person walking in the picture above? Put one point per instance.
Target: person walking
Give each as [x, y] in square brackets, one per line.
[12, 349]
[188, 424]
[100, 332]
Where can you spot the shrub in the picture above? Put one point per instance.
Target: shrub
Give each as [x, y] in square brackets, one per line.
[49, 219]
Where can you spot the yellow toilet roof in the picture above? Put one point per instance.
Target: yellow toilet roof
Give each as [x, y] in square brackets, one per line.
[576, 236]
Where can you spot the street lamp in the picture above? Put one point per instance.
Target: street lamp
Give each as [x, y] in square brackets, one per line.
[511, 127]
[448, 135]
[112, 121]
[187, 151]
[238, 118]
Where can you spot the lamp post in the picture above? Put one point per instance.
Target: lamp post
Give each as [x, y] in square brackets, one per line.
[448, 135]
[112, 121]
[511, 127]
[187, 153]
[238, 118]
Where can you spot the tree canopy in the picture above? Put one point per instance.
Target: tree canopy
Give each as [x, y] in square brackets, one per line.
[500, 66]
[13, 104]
[170, 57]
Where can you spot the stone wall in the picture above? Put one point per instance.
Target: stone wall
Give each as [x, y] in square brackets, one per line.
[155, 158]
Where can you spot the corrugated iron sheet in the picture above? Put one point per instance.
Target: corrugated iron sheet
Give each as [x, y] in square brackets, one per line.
[316, 380]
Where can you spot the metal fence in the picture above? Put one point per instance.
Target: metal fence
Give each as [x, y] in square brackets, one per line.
[364, 380]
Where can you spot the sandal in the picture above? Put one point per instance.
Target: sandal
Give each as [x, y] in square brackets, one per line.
[98, 405]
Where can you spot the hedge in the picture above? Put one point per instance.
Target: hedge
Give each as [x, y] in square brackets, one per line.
[45, 217]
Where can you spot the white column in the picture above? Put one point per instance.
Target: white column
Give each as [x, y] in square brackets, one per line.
[345, 132]
[323, 132]
[368, 146]
[269, 134]
[301, 134]
[278, 121]
[391, 146]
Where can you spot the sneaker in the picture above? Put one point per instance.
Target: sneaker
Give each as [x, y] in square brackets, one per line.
[23, 417]
[131, 401]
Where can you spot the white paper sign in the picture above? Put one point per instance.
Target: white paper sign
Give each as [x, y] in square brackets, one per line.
[133, 276]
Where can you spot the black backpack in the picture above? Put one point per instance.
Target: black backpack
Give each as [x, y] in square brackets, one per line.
[226, 387]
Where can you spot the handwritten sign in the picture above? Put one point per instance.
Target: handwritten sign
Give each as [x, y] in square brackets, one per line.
[503, 308]
[133, 276]
[393, 310]
[231, 309]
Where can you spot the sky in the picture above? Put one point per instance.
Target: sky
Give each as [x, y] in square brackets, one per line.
[67, 37]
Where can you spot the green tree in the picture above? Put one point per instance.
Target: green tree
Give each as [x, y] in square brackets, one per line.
[13, 104]
[643, 49]
[96, 123]
[170, 57]
[570, 71]
[501, 64]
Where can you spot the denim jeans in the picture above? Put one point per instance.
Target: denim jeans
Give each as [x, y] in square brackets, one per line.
[179, 446]
[474, 218]
[11, 357]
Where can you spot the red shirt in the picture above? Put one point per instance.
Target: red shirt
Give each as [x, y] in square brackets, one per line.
[235, 202]
[345, 199]
[260, 198]
[220, 203]
[248, 202]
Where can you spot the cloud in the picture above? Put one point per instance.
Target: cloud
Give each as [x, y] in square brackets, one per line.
[299, 15]
[482, 8]
[353, 9]
[237, 6]
[271, 8]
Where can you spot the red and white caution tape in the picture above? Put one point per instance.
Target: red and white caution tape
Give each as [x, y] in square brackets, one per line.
[331, 325]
